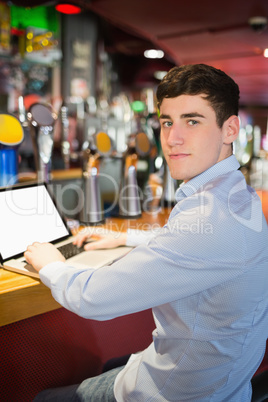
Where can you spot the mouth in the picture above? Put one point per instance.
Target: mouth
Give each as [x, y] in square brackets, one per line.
[178, 156]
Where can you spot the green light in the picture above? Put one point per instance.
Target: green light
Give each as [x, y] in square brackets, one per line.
[138, 106]
[44, 17]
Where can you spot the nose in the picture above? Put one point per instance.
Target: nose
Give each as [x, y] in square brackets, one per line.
[175, 137]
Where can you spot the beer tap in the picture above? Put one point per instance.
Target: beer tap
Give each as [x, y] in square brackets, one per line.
[129, 198]
[22, 112]
[65, 144]
[98, 145]
[42, 118]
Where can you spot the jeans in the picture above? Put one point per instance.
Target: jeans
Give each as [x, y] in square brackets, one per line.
[95, 389]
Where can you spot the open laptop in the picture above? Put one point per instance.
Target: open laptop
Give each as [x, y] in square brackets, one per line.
[28, 213]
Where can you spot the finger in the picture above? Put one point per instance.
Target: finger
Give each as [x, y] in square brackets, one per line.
[30, 247]
[98, 244]
[27, 256]
[80, 239]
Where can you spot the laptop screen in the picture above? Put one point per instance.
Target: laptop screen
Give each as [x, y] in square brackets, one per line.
[28, 214]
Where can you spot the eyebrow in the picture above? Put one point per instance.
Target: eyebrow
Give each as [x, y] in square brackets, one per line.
[195, 114]
[183, 116]
[164, 116]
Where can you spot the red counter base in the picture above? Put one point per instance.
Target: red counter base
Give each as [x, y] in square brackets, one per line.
[59, 348]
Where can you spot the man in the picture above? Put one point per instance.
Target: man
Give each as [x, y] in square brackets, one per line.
[205, 274]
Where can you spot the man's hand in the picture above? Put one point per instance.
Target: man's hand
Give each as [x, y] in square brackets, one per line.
[102, 239]
[41, 254]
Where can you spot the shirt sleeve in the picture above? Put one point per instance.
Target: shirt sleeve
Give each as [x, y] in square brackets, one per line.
[137, 237]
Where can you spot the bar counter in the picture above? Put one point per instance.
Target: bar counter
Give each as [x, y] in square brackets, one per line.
[44, 345]
[22, 296]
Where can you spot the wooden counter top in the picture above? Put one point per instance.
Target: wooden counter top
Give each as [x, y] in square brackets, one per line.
[61, 174]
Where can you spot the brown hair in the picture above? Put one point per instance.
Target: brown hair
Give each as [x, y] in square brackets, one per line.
[194, 79]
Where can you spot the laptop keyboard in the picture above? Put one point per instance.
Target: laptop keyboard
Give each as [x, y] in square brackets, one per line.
[69, 250]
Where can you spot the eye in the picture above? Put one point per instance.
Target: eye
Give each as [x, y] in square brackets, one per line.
[192, 122]
[166, 124]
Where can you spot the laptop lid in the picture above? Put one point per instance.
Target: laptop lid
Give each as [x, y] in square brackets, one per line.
[28, 213]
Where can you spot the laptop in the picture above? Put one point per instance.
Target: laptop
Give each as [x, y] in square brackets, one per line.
[29, 213]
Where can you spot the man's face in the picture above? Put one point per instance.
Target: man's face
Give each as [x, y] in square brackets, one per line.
[190, 137]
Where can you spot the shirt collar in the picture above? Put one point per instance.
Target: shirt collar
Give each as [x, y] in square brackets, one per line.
[226, 165]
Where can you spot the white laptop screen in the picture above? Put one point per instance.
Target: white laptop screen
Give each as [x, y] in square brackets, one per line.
[28, 214]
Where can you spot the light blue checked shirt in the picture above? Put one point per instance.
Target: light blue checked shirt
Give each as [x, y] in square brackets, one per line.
[205, 275]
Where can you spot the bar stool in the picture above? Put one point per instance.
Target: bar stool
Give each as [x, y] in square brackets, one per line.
[260, 387]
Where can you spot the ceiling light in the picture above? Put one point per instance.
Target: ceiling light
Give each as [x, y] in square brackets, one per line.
[154, 54]
[66, 8]
[258, 23]
[265, 53]
[159, 75]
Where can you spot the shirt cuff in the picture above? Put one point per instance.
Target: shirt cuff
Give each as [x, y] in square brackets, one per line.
[48, 270]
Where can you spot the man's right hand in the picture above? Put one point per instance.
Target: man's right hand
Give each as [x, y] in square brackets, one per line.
[102, 239]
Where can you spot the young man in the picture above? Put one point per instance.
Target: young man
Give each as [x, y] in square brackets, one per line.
[204, 274]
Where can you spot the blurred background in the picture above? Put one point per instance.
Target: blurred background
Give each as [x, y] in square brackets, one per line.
[97, 64]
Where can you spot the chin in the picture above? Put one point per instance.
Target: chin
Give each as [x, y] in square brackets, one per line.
[177, 177]
[176, 174]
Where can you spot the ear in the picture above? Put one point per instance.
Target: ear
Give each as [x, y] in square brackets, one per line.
[231, 129]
